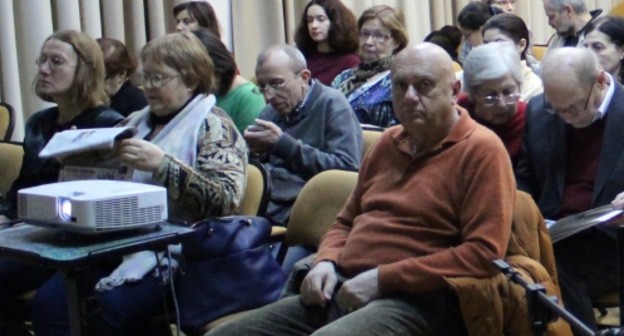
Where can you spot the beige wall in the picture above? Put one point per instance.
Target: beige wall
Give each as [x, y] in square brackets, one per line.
[249, 25]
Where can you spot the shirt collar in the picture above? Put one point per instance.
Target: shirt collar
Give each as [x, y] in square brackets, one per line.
[462, 129]
[604, 106]
[300, 110]
[303, 103]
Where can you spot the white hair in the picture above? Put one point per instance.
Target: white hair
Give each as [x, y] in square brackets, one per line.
[491, 61]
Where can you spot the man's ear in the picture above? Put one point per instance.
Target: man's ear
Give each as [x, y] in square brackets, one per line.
[523, 44]
[305, 75]
[456, 89]
[602, 79]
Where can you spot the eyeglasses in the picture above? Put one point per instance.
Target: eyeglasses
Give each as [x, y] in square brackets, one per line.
[377, 36]
[271, 87]
[551, 109]
[156, 80]
[506, 99]
[504, 2]
[55, 63]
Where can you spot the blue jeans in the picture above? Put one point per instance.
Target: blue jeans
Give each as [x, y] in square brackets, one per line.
[431, 313]
[125, 310]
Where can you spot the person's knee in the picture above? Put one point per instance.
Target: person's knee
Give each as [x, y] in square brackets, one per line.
[129, 304]
[49, 305]
[228, 328]
[111, 312]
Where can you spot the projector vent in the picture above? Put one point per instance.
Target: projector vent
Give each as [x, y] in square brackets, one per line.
[124, 212]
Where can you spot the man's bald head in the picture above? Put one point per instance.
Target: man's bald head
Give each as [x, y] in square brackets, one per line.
[423, 92]
[433, 54]
[574, 85]
[572, 66]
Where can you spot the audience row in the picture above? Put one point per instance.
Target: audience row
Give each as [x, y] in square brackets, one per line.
[417, 216]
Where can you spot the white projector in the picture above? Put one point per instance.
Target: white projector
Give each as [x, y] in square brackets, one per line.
[93, 206]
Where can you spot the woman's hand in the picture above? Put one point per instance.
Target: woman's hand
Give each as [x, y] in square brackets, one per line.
[140, 154]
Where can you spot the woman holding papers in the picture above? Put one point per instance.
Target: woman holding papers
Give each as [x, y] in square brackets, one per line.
[184, 143]
[71, 75]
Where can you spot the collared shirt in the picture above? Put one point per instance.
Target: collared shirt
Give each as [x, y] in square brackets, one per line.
[305, 98]
[604, 106]
[296, 114]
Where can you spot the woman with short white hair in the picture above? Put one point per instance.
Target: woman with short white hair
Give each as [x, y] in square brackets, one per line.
[492, 86]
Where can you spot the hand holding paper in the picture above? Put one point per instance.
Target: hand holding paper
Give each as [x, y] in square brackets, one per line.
[140, 154]
[570, 225]
[76, 141]
[618, 201]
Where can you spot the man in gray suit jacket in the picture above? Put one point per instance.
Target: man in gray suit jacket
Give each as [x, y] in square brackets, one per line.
[573, 160]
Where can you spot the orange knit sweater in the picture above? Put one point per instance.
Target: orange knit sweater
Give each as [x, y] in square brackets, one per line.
[444, 214]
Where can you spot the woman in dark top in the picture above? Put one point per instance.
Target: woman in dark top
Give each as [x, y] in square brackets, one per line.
[193, 15]
[328, 38]
[71, 74]
[605, 37]
[125, 98]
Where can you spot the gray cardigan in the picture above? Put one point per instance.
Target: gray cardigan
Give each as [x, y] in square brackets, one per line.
[324, 134]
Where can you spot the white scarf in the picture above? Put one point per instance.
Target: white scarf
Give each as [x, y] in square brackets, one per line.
[179, 136]
[179, 139]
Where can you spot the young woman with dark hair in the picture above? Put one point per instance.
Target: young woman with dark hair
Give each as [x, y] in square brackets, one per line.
[605, 37]
[511, 28]
[193, 15]
[328, 37]
[470, 19]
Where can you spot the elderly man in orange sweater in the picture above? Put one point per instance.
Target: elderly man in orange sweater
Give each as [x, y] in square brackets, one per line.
[434, 199]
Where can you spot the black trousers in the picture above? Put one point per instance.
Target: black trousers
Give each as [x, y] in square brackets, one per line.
[587, 270]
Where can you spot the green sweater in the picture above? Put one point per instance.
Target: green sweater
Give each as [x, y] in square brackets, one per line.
[242, 104]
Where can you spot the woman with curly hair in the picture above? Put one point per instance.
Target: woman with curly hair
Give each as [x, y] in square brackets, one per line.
[328, 37]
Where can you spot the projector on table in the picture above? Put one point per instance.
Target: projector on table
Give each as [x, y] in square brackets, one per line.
[93, 206]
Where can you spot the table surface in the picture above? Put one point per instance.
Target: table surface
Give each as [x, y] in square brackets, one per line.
[62, 249]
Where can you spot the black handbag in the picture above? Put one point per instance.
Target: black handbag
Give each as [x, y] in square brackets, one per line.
[228, 268]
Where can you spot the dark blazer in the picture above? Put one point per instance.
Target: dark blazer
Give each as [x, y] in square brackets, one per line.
[541, 168]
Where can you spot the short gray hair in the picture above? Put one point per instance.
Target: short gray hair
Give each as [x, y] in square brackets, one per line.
[580, 62]
[297, 60]
[579, 6]
[491, 61]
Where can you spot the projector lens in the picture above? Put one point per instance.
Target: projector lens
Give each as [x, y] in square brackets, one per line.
[66, 210]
